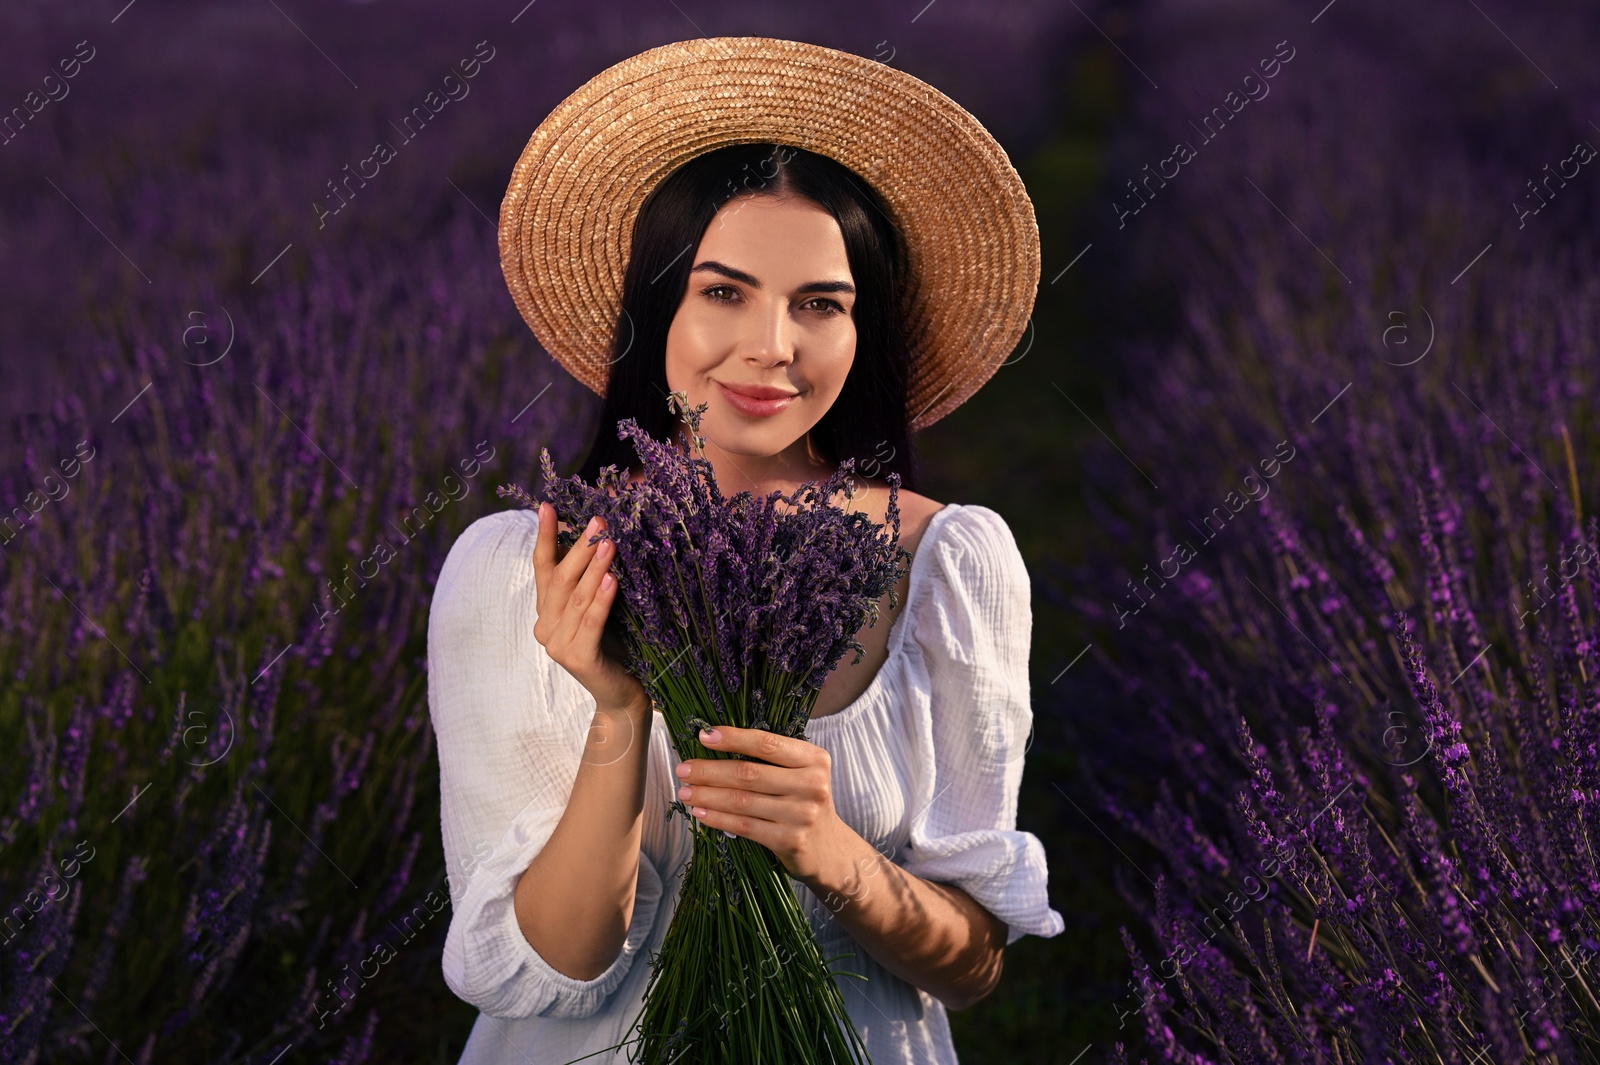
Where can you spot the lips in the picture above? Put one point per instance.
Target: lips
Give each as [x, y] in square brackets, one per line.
[758, 401]
[760, 391]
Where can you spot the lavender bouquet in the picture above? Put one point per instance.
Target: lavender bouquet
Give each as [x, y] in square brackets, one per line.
[733, 611]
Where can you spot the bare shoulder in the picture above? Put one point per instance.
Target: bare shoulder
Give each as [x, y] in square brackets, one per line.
[916, 511]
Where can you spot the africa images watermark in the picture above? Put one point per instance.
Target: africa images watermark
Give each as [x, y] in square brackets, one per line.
[34, 901]
[13, 523]
[1582, 152]
[380, 955]
[1183, 152]
[1255, 489]
[33, 102]
[1284, 855]
[384, 153]
[384, 553]
[1581, 556]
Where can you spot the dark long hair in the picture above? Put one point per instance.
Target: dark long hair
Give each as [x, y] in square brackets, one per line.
[868, 420]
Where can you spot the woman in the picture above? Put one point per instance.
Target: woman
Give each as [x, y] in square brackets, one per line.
[829, 254]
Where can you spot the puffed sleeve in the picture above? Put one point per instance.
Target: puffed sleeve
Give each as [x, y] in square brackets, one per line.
[973, 630]
[510, 736]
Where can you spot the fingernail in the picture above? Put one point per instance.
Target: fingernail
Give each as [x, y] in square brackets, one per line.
[683, 769]
[710, 736]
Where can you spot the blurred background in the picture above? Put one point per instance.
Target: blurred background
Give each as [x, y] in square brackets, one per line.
[1299, 450]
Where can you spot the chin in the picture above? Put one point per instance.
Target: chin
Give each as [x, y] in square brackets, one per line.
[757, 445]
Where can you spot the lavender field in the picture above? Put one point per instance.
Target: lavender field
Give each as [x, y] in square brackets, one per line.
[1338, 721]
[1300, 453]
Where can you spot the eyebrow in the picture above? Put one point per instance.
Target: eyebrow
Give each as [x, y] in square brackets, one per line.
[711, 265]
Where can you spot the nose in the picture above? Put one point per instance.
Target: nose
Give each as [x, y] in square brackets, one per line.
[768, 338]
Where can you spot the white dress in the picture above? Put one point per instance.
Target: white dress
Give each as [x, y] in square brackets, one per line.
[927, 763]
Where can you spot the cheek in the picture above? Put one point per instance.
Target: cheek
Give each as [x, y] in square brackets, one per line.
[833, 353]
[829, 344]
[694, 343]
[843, 341]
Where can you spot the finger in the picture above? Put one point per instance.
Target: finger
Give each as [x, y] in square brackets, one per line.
[583, 534]
[755, 829]
[770, 747]
[544, 554]
[585, 598]
[577, 556]
[592, 627]
[739, 801]
[745, 774]
[569, 570]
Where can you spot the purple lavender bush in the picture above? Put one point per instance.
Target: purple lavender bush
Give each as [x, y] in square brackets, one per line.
[214, 647]
[1347, 688]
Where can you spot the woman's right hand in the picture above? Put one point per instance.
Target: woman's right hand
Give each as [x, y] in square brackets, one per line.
[572, 602]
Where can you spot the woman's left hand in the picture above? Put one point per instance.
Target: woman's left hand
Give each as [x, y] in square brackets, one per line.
[785, 805]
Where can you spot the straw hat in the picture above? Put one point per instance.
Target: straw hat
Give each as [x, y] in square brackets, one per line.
[971, 239]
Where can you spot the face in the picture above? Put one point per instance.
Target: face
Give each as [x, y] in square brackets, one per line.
[768, 305]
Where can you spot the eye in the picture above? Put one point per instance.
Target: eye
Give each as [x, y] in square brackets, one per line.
[823, 305]
[720, 293]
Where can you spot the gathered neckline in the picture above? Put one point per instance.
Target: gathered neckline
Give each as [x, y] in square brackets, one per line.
[897, 630]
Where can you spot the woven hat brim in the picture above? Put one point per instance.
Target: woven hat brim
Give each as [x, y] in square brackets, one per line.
[971, 238]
